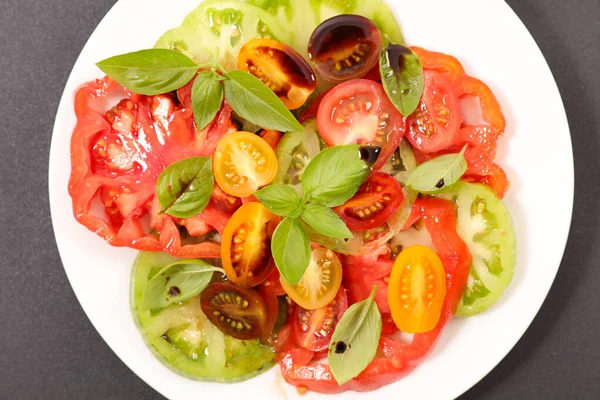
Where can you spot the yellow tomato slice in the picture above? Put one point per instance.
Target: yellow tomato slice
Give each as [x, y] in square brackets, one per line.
[242, 163]
[320, 282]
[417, 289]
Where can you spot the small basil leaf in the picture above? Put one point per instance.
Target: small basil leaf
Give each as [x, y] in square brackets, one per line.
[355, 339]
[150, 72]
[402, 77]
[291, 250]
[207, 96]
[178, 281]
[280, 199]
[254, 101]
[323, 220]
[438, 173]
[184, 188]
[334, 175]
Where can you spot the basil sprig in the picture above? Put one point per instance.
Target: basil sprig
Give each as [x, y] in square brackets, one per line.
[156, 71]
[184, 188]
[438, 173]
[176, 282]
[355, 339]
[402, 77]
[330, 179]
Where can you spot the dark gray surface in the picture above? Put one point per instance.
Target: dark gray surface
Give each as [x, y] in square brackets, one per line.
[49, 349]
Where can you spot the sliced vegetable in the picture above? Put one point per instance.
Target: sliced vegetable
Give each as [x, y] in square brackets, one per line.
[486, 226]
[312, 329]
[279, 67]
[243, 162]
[417, 289]
[401, 163]
[184, 340]
[320, 282]
[344, 47]
[246, 245]
[217, 30]
[359, 111]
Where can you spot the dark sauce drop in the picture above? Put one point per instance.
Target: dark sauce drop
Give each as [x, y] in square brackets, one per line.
[340, 348]
[440, 184]
[174, 291]
[369, 154]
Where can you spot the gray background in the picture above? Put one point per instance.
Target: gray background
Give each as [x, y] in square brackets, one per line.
[49, 349]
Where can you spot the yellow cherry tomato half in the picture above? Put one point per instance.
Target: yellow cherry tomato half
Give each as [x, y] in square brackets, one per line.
[243, 162]
[417, 289]
[320, 282]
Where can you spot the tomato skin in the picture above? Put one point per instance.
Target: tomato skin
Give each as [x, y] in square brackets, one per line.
[359, 111]
[440, 62]
[270, 136]
[496, 179]
[435, 124]
[134, 185]
[281, 68]
[308, 326]
[380, 196]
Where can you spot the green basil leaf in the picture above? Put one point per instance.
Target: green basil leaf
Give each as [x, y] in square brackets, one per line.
[207, 97]
[323, 220]
[291, 250]
[281, 200]
[254, 101]
[402, 77]
[178, 281]
[438, 173]
[355, 339]
[150, 72]
[334, 175]
[184, 188]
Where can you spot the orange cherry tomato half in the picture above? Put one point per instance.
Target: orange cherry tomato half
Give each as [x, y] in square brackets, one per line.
[279, 67]
[320, 283]
[345, 47]
[417, 289]
[246, 245]
[242, 163]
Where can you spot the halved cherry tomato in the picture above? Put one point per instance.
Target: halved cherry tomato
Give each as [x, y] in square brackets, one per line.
[279, 67]
[271, 136]
[272, 307]
[273, 283]
[320, 282]
[116, 157]
[417, 289]
[243, 162]
[312, 329]
[359, 111]
[434, 125]
[440, 62]
[236, 311]
[246, 245]
[496, 179]
[345, 47]
[374, 203]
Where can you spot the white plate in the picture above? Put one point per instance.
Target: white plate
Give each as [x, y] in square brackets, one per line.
[536, 152]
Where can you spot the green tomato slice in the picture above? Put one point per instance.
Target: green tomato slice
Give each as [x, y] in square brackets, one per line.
[401, 163]
[217, 30]
[294, 151]
[484, 223]
[183, 339]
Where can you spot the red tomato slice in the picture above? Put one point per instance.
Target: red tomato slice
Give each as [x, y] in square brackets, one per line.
[359, 111]
[312, 329]
[397, 357]
[434, 125]
[440, 62]
[496, 179]
[374, 203]
[117, 156]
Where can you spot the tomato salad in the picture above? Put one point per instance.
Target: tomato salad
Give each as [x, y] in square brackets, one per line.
[304, 188]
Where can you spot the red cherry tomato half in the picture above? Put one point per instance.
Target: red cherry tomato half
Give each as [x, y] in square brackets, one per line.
[374, 203]
[312, 329]
[435, 124]
[345, 47]
[359, 111]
